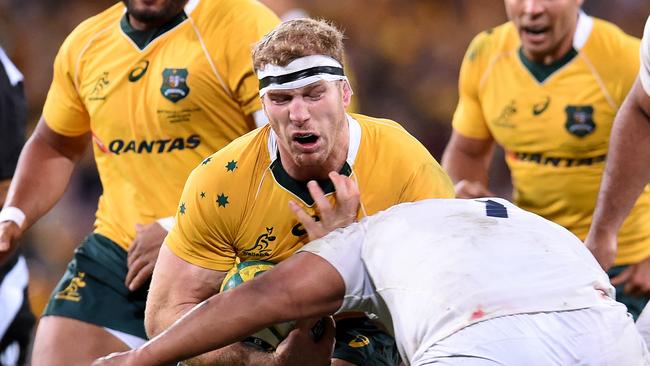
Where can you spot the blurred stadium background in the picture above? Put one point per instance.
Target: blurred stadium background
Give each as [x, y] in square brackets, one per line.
[405, 55]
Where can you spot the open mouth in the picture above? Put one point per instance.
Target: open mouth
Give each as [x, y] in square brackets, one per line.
[535, 31]
[305, 138]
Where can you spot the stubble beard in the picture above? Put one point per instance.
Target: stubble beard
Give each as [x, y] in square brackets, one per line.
[155, 17]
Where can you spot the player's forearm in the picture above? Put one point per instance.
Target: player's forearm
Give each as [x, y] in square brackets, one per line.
[41, 178]
[233, 355]
[626, 170]
[236, 354]
[467, 159]
[463, 167]
[193, 335]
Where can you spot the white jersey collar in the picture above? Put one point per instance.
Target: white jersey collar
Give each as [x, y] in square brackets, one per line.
[583, 30]
[189, 7]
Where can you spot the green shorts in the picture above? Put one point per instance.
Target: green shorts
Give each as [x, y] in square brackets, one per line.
[635, 304]
[360, 341]
[92, 289]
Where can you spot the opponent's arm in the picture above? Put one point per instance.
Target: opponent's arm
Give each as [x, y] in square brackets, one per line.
[44, 169]
[467, 161]
[176, 287]
[626, 174]
[303, 286]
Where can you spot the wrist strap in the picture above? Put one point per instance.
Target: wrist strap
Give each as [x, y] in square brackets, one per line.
[166, 222]
[13, 214]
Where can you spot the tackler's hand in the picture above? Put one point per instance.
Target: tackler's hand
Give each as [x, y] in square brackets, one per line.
[341, 214]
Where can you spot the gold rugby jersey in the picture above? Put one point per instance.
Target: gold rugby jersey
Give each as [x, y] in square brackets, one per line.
[236, 202]
[554, 122]
[157, 103]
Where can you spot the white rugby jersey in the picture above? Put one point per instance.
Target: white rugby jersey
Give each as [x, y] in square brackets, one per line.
[431, 268]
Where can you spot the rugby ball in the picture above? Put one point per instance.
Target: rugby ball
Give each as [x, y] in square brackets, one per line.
[267, 339]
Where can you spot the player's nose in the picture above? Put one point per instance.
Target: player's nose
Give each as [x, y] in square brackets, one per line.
[298, 111]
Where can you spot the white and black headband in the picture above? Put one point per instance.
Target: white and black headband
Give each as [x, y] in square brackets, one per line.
[299, 73]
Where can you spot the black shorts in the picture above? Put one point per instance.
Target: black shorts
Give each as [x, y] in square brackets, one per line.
[16, 328]
[360, 341]
[92, 289]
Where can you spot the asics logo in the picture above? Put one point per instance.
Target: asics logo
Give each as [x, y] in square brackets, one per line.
[539, 108]
[138, 71]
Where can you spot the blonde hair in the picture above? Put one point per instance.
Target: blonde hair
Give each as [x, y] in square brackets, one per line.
[298, 38]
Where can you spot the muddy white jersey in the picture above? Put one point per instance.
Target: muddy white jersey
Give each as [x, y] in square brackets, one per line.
[430, 268]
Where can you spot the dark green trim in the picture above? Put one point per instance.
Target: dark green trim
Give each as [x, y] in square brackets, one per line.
[143, 38]
[540, 71]
[300, 188]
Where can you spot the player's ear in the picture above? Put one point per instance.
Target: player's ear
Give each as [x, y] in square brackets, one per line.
[346, 91]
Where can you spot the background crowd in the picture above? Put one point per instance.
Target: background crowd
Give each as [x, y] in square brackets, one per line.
[405, 56]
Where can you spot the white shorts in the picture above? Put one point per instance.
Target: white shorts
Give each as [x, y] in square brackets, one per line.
[594, 336]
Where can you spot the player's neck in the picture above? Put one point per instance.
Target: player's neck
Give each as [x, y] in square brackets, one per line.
[556, 53]
[553, 56]
[333, 163]
[145, 26]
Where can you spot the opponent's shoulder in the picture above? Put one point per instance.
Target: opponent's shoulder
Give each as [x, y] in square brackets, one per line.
[90, 28]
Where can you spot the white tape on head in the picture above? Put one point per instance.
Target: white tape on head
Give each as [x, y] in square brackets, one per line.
[299, 73]
[13, 214]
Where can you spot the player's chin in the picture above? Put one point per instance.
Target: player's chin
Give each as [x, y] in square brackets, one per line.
[310, 159]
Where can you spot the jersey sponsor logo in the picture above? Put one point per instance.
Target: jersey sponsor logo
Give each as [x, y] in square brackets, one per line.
[174, 86]
[503, 120]
[261, 246]
[539, 108]
[543, 159]
[359, 341]
[139, 71]
[299, 230]
[71, 292]
[119, 146]
[580, 120]
[99, 87]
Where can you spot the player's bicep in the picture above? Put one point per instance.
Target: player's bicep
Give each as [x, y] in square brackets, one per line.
[71, 147]
[176, 286]
[342, 250]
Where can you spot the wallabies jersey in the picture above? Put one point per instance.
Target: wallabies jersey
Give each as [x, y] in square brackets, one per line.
[156, 102]
[554, 121]
[236, 202]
